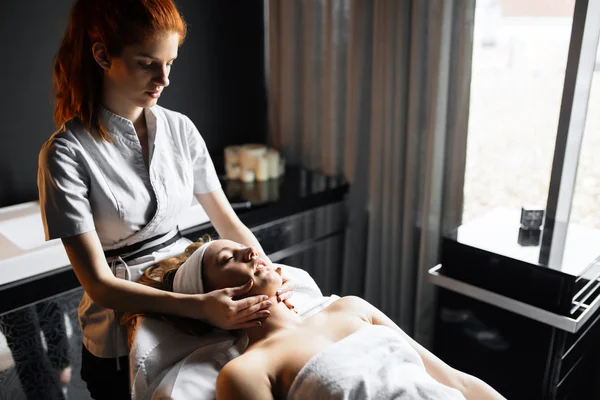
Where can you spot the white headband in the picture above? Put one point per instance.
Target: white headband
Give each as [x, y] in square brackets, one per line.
[188, 278]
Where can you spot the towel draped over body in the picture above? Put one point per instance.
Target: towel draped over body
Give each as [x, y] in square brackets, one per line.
[373, 363]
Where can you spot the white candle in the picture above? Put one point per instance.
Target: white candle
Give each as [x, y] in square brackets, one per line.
[247, 176]
[233, 171]
[249, 155]
[273, 157]
[262, 169]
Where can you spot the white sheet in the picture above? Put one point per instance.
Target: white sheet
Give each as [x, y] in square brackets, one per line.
[168, 364]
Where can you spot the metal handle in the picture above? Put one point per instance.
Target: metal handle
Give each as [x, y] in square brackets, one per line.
[518, 307]
[585, 291]
[241, 205]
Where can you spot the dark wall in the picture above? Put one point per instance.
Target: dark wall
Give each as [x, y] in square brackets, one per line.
[218, 80]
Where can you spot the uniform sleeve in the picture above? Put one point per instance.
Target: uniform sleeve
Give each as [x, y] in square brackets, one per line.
[206, 179]
[63, 191]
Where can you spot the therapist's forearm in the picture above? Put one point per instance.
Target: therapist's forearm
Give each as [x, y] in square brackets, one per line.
[126, 296]
[94, 274]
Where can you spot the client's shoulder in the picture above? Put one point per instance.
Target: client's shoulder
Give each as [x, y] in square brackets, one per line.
[352, 305]
[252, 361]
[244, 376]
[350, 302]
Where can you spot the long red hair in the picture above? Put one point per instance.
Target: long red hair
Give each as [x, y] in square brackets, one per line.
[116, 23]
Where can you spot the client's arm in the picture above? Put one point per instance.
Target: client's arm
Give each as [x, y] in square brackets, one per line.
[470, 386]
[238, 380]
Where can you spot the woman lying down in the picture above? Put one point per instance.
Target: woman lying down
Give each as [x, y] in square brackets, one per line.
[349, 350]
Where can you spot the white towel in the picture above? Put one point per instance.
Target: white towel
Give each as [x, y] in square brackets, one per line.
[374, 363]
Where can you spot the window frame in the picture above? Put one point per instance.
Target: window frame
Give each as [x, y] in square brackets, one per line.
[581, 60]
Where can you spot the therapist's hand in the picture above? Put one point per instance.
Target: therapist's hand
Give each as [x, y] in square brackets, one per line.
[286, 291]
[223, 311]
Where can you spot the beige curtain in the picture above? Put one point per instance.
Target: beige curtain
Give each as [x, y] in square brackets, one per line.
[378, 90]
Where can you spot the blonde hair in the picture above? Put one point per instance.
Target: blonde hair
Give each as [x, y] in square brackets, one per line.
[160, 276]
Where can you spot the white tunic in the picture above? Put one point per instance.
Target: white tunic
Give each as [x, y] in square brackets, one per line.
[86, 183]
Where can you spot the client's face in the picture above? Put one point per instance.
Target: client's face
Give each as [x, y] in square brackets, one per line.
[227, 264]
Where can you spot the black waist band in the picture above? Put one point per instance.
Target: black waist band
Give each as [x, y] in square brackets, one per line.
[136, 250]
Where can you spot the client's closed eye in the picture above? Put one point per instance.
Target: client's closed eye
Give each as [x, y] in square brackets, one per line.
[225, 260]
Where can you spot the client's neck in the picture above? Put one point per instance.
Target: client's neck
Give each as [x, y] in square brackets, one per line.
[281, 318]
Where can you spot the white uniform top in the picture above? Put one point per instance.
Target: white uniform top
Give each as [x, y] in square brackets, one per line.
[86, 184]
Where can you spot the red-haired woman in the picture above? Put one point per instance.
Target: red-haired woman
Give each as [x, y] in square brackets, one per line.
[117, 175]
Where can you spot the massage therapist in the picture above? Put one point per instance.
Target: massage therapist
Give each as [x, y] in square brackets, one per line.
[119, 172]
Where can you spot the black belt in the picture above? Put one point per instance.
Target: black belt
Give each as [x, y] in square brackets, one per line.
[132, 250]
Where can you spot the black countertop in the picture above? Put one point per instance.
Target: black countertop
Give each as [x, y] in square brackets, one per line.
[493, 253]
[297, 191]
[498, 232]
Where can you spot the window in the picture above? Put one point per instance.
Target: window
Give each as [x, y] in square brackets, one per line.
[586, 198]
[520, 56]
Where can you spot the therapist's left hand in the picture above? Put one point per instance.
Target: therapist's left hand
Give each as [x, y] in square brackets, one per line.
[286, 291]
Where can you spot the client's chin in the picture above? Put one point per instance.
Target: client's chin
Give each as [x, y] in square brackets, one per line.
[266, 281]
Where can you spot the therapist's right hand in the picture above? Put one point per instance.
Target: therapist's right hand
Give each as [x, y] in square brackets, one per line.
[224, 311]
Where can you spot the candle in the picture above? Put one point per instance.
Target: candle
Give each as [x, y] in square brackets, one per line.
[233, 171]
[247, 176]
[262, 169]
[273, 160]
[249, 155]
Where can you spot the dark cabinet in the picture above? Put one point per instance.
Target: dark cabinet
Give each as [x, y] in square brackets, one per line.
[518, 356]
[527, 327]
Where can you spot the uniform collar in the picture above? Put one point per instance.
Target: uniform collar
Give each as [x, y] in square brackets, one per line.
[120, 126]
